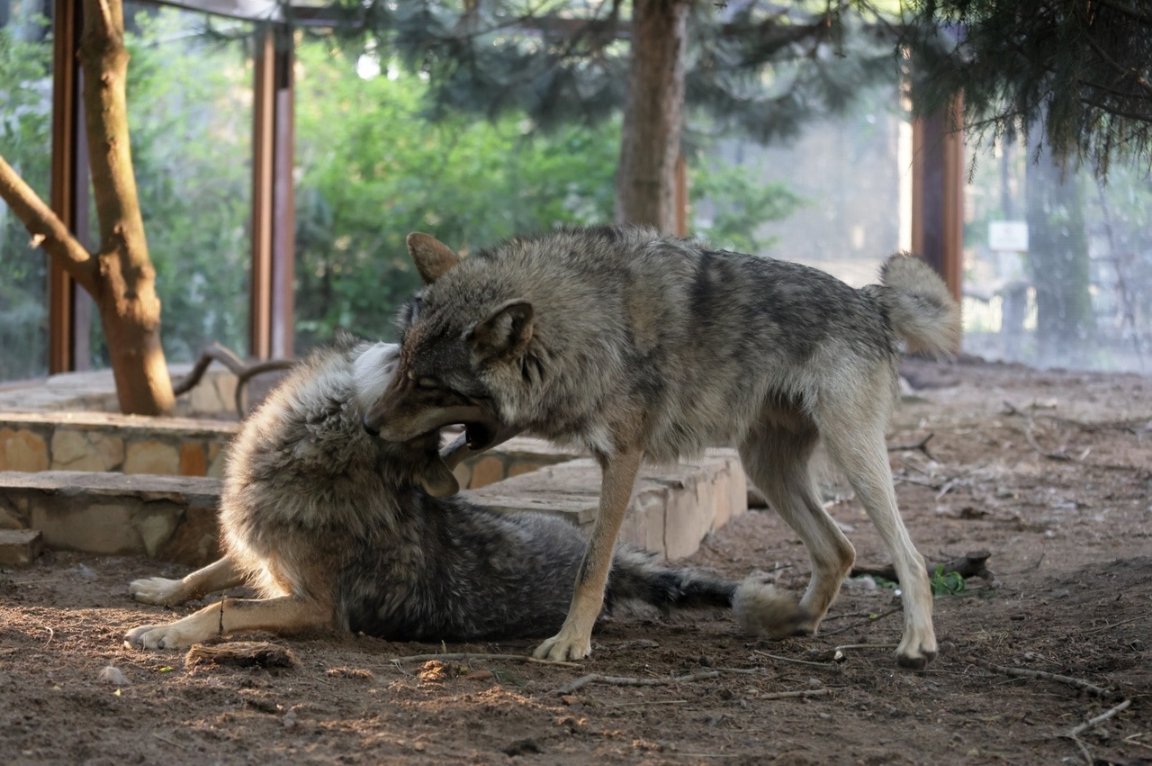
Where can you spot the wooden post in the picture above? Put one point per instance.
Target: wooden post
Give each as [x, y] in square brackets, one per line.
[273, 212]
[938, 193]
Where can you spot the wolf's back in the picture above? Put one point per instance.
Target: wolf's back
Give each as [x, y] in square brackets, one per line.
[920, 308]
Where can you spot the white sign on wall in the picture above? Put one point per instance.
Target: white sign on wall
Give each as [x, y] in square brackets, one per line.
[1008, 235]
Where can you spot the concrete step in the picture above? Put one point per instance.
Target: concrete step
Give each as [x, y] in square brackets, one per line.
[166, 517]
[174, 517]
[673, 509]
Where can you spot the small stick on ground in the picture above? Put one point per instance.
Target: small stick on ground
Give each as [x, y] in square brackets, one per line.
[920, 446]
[470, 657]
[1075, 733]
[596, 678]
[1094, 722]
[871, 619]
[778, 658]
[1078, 683]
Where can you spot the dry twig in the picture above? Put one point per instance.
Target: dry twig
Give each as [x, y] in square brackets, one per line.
[1078, 683]
[471, 657]
[920, 446]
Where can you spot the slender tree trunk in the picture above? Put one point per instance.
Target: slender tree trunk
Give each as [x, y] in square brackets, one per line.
[126, 287]
[120, 277]
[1058, 261]
[650, 144]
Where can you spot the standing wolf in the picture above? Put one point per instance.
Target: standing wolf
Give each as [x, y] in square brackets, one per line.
[337, 529]
[635, 346]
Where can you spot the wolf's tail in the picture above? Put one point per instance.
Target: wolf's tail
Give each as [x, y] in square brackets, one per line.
[756, 606]
[919, 306]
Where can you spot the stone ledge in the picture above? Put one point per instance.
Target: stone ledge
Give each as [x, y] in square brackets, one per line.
[19, 547]
[166, 517]
[175, 517]
[673, 509]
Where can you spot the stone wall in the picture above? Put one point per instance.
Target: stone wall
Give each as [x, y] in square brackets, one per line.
[98, 441]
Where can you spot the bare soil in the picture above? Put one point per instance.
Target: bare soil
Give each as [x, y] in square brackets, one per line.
[1051, 472]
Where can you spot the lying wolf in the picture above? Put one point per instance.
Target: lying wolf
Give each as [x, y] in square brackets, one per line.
[335, 528]
[635, 346]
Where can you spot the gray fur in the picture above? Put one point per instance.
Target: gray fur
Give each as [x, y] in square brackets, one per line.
[619, 339]
[316, 508]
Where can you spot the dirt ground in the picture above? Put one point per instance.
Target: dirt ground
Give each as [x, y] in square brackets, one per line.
[1050, 472]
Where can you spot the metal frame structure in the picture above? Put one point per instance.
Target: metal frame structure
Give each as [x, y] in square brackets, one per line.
[272, 216]
[937, 205]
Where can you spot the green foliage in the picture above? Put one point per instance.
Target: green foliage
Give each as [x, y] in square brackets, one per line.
[761, 67]
[947, 583]
[741, 204]
[375, 166]
[25, 140]
[374, 169]
[190, 116]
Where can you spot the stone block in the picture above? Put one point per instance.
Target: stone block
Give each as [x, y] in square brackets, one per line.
[112, 513]
[152, 456]
[19, 547]
[193, 459]
[487, 470]
[86, 450]
[673, 508]
[22, 449]
[196, 539]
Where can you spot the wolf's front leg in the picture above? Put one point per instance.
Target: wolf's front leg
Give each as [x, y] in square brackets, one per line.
[286, 614]
[574, 641]
[219, 575]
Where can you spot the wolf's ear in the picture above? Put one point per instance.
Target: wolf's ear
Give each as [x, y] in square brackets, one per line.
[505, 332]
[432, 257]
[438, 481]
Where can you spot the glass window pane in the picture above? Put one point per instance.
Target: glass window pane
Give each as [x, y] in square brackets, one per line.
[190, 117]
[1057, 262]
[25, 142]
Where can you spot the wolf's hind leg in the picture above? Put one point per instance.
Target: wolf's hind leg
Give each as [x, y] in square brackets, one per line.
[776, 459]
[286, 614]
[219, 575]
[857, 446]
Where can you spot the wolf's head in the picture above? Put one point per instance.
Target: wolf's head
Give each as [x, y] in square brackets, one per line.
[417, 459]
[461, 336]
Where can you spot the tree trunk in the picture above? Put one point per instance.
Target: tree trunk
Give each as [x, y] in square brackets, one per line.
[650, 144]
[120, 278]
[1058, 261]
[126, 282]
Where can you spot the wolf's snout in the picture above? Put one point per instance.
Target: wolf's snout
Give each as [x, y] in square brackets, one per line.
[370, 427]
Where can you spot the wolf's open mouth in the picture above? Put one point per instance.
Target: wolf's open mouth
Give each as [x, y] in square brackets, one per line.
[478, 436]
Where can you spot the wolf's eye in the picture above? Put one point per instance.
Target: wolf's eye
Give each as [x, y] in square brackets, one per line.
[427, 384]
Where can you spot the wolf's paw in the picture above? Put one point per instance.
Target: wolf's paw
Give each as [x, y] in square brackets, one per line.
[564, 647]
[916, 650]
[168, 636]
[158, 590]
[763, 611]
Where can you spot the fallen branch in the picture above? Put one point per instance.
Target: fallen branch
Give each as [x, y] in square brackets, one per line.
[596, 678]
[244, 371]
[1075, 733]
[972, 564]
[1094, 722]
[1078, 683]
[470, 657]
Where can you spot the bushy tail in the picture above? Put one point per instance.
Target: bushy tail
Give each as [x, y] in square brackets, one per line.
[919, 306]
[756, 606]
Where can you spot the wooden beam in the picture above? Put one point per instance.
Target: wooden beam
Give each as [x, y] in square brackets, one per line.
[938, 194]
[273, 212]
